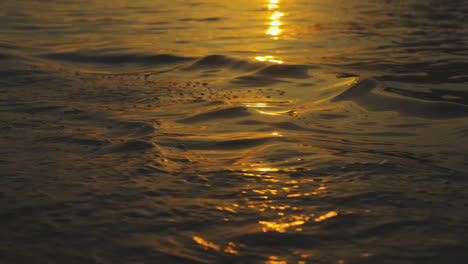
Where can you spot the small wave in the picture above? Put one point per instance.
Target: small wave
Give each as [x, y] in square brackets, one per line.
[227, 113]
[75, 140]
[9, 45]
[460, 97]
[363, 94]
[257, 81]
[207, 19]
[278, 240]
[5, 56]
[287, 71]
[361, 88]
[220, 61]
[41, 109]
[21, 73]
[128, 128]
[116, 59]
[234, 144]
[131, 146]
[29, 28]
[391, 227]
[274, 74]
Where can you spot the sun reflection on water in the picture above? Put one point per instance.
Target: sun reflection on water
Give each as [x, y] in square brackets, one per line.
[275, 108]
[275, 260]
[276, 15]
[283, 224]
[268, 58]
[274, 27]
[275, 24]
[326, 216]
[267, 169]
[278, 198]
[207, 245]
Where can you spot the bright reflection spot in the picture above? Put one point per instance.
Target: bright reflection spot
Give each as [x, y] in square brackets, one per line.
[256, 104]
[274, 31]
[268, 113]
[301, 194]
[274, 23]
[275, 260]
[295, 220]
[272, 6]
[220, 208]
[268, 58]
[266, 169]
[279, 198]
[266, 191]
[279, 227]
[207, 245]
[276, 15]
[230, 249]
[326, 216]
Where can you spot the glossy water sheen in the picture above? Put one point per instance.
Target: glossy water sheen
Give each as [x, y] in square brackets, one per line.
[233, 131]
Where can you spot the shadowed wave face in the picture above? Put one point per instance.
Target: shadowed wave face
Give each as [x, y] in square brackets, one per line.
[267, 131]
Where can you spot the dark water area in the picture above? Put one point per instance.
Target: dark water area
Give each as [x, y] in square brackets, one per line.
[207, 131]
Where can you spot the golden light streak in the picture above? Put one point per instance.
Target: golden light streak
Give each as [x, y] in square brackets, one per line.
[275, 23]
[268, 58]
[230, 249]
[206, 244]
[301, 194]
[268, 113]
[257, 104]
[279, 227]
[294, 221]
[275, 260]
[266, 169]
[274, 27]
[277, 61]
[220, 208]
[326, 216]
[209, 245]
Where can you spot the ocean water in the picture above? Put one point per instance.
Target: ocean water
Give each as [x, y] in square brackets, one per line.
[261, 131]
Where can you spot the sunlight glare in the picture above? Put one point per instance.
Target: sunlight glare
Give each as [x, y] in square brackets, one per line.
[276, 15]
[274, 24]
[268, 58]
[274, 31]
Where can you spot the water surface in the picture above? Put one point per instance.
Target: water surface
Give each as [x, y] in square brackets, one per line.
[233, 132]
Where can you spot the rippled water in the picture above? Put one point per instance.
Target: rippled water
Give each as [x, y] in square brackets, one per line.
[233, 131]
